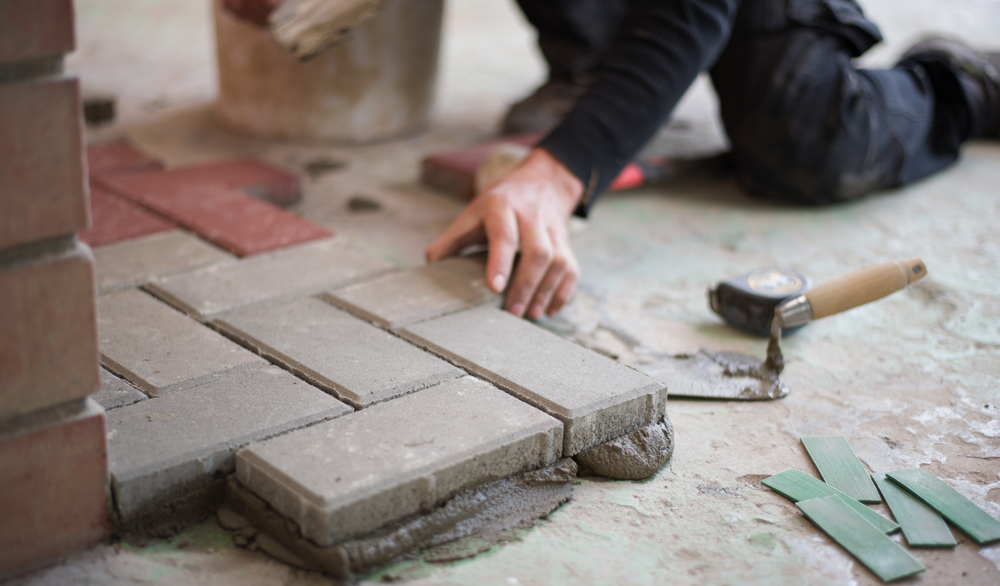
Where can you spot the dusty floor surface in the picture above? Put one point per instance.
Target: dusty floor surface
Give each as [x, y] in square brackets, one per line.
[910, 381]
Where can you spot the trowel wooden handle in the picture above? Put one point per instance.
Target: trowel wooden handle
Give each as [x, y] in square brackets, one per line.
[863, 286]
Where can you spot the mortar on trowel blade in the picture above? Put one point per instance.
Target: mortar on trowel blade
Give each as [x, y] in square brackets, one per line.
[751, 300]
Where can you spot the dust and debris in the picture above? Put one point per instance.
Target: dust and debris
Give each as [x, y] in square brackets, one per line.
[718, 490]
[361, 204]
[319, 167]
[753, 480]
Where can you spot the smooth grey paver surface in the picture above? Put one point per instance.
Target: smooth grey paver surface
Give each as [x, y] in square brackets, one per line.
[401, 298]
[165, 447]
[336, 351]
[134, 262]
[597, 398]
[349, 476]
[159, 349]
[116, 392]
[294, 271]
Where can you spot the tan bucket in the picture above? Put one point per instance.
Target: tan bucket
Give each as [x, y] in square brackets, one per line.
[377, 85]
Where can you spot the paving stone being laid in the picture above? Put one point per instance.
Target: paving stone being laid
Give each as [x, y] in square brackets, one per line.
[595, 397]
[344, 355]
[115, 219]
[297, 271]
[921, 525]
[798, 486]
[118, 157]
[135, 262]
[951, 504]
[840, 467]
[116, 392]
[880, 554]
[166, 447]
[349, 476]
[405, 297]
[160, 350]
[255, 178]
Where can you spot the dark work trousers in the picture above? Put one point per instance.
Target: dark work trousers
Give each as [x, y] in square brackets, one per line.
[804, 123]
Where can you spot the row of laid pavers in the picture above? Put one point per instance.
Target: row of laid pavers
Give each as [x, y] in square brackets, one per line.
[423, 429]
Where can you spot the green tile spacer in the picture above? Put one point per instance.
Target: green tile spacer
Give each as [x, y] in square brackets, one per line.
[799, 486]
[973, 521]
[921, 525]
[880, 554]
[840, 467]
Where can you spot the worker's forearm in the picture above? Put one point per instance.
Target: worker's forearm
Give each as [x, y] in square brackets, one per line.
[659, 51]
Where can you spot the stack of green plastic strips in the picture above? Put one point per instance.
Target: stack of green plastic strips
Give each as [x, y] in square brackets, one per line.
[919, 501]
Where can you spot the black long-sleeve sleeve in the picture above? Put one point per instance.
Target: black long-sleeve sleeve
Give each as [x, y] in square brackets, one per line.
[660, 49]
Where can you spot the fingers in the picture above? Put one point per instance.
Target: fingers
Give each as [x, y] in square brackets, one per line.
[559, 281]
[466, 229]
[558, 284]
[536, 258]
[501, 227]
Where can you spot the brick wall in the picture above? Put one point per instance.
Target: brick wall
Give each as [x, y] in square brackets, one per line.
[53, 445]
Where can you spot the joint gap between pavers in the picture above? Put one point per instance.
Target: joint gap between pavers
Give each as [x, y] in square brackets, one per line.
[504, 384]
[152, 287]
[141, 284]
[399, 335]
[328, 297]
[184, 385]
[275, 360]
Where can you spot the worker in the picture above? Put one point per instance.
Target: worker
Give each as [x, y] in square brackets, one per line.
[803, 122]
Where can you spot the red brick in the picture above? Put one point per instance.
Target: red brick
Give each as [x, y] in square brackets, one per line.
[254, 177]
[454, 172]
[30, 29]
[54, 482]
[230, 219]
[114, 158]
[48, 349]
[42, 190]
[116, 219]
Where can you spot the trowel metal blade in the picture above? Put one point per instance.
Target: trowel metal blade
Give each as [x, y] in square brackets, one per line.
[711, 375]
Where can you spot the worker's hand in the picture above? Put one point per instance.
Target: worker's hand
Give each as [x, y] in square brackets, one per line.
[256, 11]
[529, 209]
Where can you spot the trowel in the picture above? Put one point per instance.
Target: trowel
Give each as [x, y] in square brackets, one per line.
[782, 299]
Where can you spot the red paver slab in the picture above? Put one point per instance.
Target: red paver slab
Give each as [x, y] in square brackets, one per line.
[111, 158]
[455, 171]
[231, 219]
[115, 219]
[255, 178]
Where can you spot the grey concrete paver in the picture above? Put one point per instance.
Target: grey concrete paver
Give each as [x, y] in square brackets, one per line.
[349, 476]
[116, 392]
[289, 272]
[336, 351]
[134, 262]
[165, 447]
[597, 398]
[405, 297]
[159, 349]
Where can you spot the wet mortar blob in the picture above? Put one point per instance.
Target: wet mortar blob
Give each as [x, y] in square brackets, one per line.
[469, 523]
[633, 456]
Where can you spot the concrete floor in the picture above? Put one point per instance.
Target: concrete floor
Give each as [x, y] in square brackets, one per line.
[910, 381]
